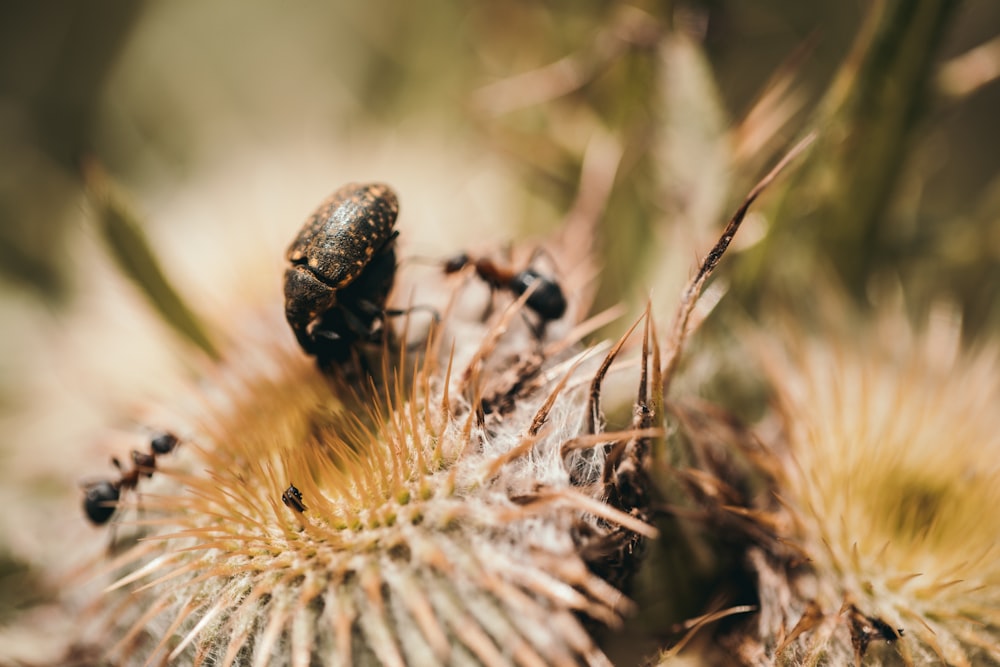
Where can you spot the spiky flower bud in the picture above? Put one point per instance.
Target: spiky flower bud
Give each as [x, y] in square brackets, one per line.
[874, 540]
[441, 513]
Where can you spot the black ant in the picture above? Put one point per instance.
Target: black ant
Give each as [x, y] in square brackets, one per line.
[100, 499]
[547, 299]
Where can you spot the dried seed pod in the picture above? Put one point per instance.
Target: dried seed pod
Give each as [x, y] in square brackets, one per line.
[869, 533]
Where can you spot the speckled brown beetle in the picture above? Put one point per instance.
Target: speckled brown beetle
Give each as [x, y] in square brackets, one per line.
[343, 262]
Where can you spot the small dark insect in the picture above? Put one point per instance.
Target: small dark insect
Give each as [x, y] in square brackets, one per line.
[292, 498]
[866, 629]
[100, 498]
[546, 300]
[343, 263]
[885, 630]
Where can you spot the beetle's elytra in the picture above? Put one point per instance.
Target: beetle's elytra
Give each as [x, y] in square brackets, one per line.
[339, 239]
[343, 263]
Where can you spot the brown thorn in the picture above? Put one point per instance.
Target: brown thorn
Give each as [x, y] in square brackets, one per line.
[437, 328]
[654, 402]
[594, 404]
[494, 334]
[445, 402]
[426, 369]
[692, 290]
[590, 441]
[598, 508]
[416, 432]
[695, 624]
[474, 413]
[543, 412]
[810, 618]
[526, 445]
[613, 458]
[551, 374]
[588, 326]
[579, 230]
[643, 415]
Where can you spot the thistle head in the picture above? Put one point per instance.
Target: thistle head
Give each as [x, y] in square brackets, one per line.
[871, 539]
[450, 507]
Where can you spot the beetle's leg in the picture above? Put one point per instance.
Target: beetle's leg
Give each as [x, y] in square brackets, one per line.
[327, 334]
[388, 241]
[541, 251]
[399, 312]
[356, 324]
[367, 307]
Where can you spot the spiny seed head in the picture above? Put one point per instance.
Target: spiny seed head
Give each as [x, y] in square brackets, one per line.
[440, 512]
[876, 541]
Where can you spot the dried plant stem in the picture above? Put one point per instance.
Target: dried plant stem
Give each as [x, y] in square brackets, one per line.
[689, 297]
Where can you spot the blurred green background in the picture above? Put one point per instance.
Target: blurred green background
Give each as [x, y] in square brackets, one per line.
[164, 92]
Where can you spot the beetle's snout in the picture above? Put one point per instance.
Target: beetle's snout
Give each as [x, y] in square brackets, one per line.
[306, 297]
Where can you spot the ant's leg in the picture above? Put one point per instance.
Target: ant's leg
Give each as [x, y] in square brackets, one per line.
[540, 251]
[145, 464]
[388, 242]
[491, 305]
[537, 328]
[328, 335]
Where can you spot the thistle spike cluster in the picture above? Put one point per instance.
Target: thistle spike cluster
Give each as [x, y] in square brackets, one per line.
[893, 476]
[874, 539]
[447, 506]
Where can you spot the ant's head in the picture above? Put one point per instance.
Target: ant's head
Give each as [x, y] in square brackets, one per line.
[456, 263]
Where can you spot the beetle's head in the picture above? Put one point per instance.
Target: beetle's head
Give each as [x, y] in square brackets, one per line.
[306, 299]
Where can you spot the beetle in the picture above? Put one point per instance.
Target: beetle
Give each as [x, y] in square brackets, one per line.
[292, 498]
[546, 300]
[342, 266]
[100, 498]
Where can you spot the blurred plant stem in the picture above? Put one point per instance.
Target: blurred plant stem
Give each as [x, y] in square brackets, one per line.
[836, 203]
[54, 61]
